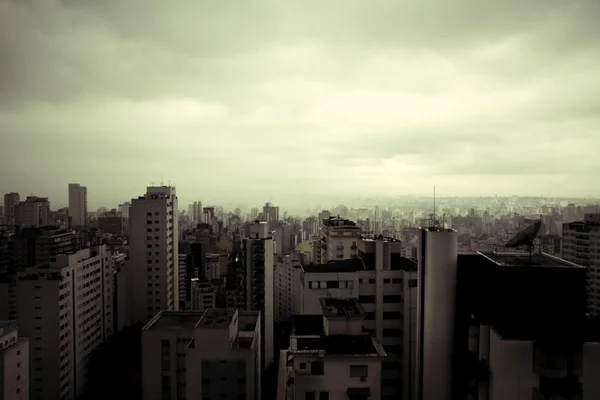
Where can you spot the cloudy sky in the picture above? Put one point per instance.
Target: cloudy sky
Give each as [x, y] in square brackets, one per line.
[242, 101]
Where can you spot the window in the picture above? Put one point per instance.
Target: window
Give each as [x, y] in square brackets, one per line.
[386, 280]
[392, 332]
[310, 396]
[323, 395]
[366, 299]
[316, 368]
[370, 316]
[412, 283]
[359, 371]
[333, 285]
[392, 314]
[302, 365]
[371, 281]
[396, 280]
[392, 298]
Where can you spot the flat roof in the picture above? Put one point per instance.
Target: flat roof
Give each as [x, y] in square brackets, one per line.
[347, 265]
[338, 345]
[216, 318]
[307, 325]
[174, 320]
[341, 307]
[522, 260]
[8, 326]
[247, 320]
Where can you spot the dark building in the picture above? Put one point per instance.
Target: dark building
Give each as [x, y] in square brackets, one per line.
[34, 246]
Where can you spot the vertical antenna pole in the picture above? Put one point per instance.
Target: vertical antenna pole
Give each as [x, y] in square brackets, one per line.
[434, 205]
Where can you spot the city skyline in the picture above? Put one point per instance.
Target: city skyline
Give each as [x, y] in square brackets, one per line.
[252, 100]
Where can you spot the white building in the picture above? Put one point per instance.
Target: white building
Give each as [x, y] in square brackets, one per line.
[66, 311]
[338, 240]
[210, 355]
[386, 285]
[288, 288]
[331, 359]
[203, 295]
[581, 245]
[14, 363]
[77, 205]
[153, 253]
[259, 263]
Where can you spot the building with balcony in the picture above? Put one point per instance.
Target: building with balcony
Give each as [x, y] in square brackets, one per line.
[338, 240]
[329, 357]
[202, 355]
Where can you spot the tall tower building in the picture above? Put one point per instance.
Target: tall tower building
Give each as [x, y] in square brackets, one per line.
[153, 253]
[258, 263]
[11, 200]
[77, 205]
[271, 214]
[436, 308]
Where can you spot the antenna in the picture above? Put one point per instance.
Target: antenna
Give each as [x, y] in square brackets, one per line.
[434, 205]
[162, 182]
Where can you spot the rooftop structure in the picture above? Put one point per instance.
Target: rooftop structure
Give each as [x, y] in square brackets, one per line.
[338, 222]
[341, 308]
[174, 320]
[523, 260]
[338, 345]
[347, 265]
[216, 318]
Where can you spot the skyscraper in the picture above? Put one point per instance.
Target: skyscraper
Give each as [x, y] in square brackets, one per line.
[77, 205]
[11, 200]
[153, 253]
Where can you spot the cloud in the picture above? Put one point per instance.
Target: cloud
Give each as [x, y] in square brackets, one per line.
[238, 99]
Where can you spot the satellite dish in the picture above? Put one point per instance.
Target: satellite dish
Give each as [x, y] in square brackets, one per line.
[526, 236]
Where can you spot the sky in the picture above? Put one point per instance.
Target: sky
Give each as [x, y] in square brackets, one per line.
[250, 101]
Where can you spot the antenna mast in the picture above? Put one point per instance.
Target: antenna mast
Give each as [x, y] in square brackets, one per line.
[434, 222]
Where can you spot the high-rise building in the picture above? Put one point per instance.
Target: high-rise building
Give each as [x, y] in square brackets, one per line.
[258, 265]
[11, 200]
[271, 215]
[66, 310]
[77, 205]
[153, 253]
[213, 354]
[35, 246]
[385, 284]
[14, 363]
[288, 288]
[33, 212]
[580, 245]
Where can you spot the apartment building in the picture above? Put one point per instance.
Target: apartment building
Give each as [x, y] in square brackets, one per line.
[14, 363]
[329, 356]
[202, 355]
[203, 295]
[153, 253]
[288, 288]
[581, 245]
[11, 200]
[258, 267]
[65, 308]
[386, 285]
[338, 240]
[33, 212]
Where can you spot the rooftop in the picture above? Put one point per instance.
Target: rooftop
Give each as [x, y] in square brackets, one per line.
[338, 345]
[174, 320]
[247, 320]
[8, 326]
[342, 307]
[348, 265]
[373, 238]
[216, 318]
[339, 222]
[522, 260]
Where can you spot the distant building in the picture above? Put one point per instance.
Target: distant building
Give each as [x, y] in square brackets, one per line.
[77, 205]
[11, 200]
[203, 295]
[213, 354]
[338, 240]
[14, 363]
[33, 212]
[288, 288]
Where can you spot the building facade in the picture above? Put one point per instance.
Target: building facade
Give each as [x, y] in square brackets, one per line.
[77, 205]
[14, 363]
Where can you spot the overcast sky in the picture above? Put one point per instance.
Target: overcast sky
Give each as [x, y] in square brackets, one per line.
[242, 101]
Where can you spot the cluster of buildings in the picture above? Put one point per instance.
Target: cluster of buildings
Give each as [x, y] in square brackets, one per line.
[268, 306]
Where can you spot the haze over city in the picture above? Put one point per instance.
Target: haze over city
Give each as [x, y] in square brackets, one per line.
[242, 101]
